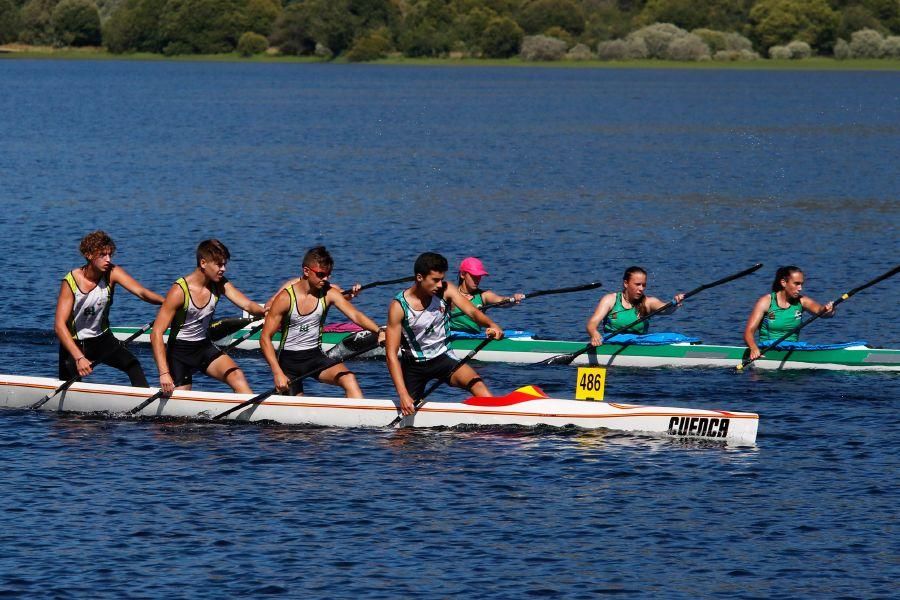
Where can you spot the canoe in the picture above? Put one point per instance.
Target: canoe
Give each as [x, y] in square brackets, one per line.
[527, 407]
[530, 351]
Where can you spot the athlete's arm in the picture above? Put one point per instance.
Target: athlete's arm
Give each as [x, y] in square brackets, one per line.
[238, 298]
[392, 351]
[811, 306]
[753, 323]
[491, 297]
[593, 324]
[452, 293]
[173, 301]
[277, 311]
[656, 304]
[121, 276]
[354, 314]
[65, 304]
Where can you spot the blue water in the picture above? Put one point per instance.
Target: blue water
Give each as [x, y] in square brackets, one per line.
[554, 178]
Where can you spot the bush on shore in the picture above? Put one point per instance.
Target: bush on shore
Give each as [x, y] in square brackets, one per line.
[251, 43]
[542, 47]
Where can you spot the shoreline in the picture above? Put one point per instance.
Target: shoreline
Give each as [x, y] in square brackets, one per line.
[818, 63]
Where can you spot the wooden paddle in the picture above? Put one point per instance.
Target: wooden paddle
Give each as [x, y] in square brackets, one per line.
[438, 383]
[806, 322]
[261, 397]
[225, 350]
[565, 359]
[71, 381]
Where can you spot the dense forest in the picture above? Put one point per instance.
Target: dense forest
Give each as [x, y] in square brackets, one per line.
[362, 30]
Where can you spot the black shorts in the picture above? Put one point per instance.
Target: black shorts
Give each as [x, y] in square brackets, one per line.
[301, 362]
[110, 351]
[186, 357]
[416, 375]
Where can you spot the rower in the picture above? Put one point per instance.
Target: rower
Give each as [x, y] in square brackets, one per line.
[619, 309]
[418, 321]
[780, 311]
[82, 313]
[298, 311]
[188, 308]
[471, 270]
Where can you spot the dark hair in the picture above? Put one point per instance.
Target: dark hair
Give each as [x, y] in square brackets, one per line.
[430, 261]
[213, 251]
[318, 256]
[94, 242]
[642, 305]
[783, 273]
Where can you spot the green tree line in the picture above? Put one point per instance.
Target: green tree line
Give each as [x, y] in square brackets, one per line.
[370, 29]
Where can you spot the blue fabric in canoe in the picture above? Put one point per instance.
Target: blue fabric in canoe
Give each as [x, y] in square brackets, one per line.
[509, 333]
[807, 346]
[651, 339]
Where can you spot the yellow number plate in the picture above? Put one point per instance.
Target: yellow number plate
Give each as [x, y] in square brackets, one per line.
[590, 383]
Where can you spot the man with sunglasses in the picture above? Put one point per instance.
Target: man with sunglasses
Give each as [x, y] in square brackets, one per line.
[298, 311]
[417, 330]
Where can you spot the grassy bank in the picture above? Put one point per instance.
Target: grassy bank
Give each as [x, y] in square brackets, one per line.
[13, 51]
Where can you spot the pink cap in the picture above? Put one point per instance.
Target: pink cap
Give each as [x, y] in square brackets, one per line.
[472, 266]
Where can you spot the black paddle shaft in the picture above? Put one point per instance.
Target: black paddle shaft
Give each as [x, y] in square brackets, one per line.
[71, 381]
[421, 401]
[805, 322]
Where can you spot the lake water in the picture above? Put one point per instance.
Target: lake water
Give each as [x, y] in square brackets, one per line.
[554, 178]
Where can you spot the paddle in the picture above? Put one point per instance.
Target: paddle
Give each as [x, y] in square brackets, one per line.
[225, 350]
[377, 283]
[228, 325]
[806, 322]
[71, 381]
[261, 397]
[438, 383]
[565, 359]
[505, 301]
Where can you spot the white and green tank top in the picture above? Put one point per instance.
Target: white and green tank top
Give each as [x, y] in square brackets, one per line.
[778, 321]
[620, 317]
[424, 331]
[191, 323]
[90, 314]
[299, 331]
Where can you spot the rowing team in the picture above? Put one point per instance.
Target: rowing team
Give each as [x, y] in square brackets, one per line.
[416, 336]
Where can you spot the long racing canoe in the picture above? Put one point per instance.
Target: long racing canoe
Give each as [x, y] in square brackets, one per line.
[529, 351]
[527, 407]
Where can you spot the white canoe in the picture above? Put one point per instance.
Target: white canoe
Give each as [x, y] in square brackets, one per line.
[733, 428]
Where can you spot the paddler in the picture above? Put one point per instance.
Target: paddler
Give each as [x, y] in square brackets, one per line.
[418, 324]
[188, 308]
[298, 311]
[620, 309]
[471, 270]
[82, 313]
[780, 311]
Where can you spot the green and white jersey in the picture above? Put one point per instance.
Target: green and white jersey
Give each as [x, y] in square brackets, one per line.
[424, 331]
[299, 331]
[778, 321]
[191, 323]
[90, 314]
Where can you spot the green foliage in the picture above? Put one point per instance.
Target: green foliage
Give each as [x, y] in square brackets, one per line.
[259, 16]
[867, 43]
[841, 50]
[251, 43]
[201, 26]
[502, 38]
[777, 22]
[76, 23]
[292, 32]
[538, 16]
[372, 46]
[36, 27]
[9, 21]
[134, 27]
[427, 29]
[542, 47]
[728, 15]
[886, 11]
[333, 24]
[855, 18]
[657, 38]
[606, 22]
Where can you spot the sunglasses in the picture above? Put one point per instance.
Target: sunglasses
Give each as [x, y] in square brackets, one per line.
[321, 274]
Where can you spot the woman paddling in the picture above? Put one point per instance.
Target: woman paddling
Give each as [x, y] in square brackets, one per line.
[82, 313]
[471, 270]
[780, 311]
[620, 309]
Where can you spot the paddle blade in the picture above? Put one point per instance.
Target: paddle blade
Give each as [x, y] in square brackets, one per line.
[227, 326]
[559, 359]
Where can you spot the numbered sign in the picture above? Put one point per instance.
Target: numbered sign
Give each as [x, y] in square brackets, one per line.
[590, 384]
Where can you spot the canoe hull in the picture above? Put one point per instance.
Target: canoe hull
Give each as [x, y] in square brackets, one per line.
[733, 428]
[529, 351]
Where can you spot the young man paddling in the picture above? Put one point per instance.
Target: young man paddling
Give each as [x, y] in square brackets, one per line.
[82, 313]
[418, 322]
[298, 311]
[188, 308]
